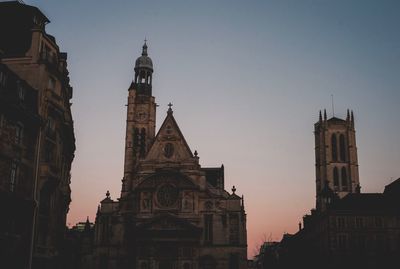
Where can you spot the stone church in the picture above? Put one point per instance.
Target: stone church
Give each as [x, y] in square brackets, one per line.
[172, 212]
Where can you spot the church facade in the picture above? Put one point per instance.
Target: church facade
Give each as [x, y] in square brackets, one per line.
[172, 213]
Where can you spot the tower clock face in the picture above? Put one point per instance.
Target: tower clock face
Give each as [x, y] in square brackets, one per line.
[167, 195]
[141, 115]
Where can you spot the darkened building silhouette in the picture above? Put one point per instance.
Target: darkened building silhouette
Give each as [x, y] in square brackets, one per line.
[36, 165]
[348, 229]
[172, 212]
[19, 128]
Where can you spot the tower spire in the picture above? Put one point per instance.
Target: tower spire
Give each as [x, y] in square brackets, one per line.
[144, 48]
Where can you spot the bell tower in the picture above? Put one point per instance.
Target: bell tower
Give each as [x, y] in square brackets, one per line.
[141, 118]
[336, 161]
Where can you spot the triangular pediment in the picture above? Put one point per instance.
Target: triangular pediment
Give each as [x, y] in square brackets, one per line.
[170, 144]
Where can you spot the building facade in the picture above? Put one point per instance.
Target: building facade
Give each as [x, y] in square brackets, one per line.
[19, 129]
[35, 58]
[172, 213]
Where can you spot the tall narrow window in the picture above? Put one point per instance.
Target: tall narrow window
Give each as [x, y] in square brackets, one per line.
[208, 229]
[344, 177]
[334, 147]
[13, 176]
[51, 84]
[342, 146]
[142, 142]
[18, 133]
[335, 177]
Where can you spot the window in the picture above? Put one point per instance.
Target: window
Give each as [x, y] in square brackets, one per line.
[342, 241]
[21, 91]
[13, 176]
[208, 228]
[344, 178]
[359, 222]
[335, 177]
[18, 133]
[341, 223]
[334, 147]
[378, 222]
[342, 146]
[3, 79]
[51, 84]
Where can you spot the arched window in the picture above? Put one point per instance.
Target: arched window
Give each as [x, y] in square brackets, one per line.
[334, 147]
[142, 142]
[335, 177]
[344, 177]
[342, 146]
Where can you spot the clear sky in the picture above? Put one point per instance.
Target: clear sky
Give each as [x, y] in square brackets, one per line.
[247, 79]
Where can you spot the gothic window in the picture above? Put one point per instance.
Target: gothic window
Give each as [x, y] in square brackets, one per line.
[208, 229]
[342, 145]
[13, 176]
[334, 147]
[335, 177]
[142, 142]
[344, 177]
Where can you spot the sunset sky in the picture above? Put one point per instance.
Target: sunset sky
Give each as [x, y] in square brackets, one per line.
[247, 80]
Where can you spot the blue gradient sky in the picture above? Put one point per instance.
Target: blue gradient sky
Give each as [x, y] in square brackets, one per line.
[247, 79]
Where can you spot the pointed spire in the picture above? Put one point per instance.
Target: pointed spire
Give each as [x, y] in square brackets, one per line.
[144, 51]
[352, 117]
[87, 225]
[325, 118]
[320, 116]
[348, 115]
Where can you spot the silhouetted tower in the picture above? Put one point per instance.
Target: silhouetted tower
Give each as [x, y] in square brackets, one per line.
[141, 121]
[336, 161]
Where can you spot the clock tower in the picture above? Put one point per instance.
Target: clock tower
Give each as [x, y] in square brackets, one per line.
[141, 118]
